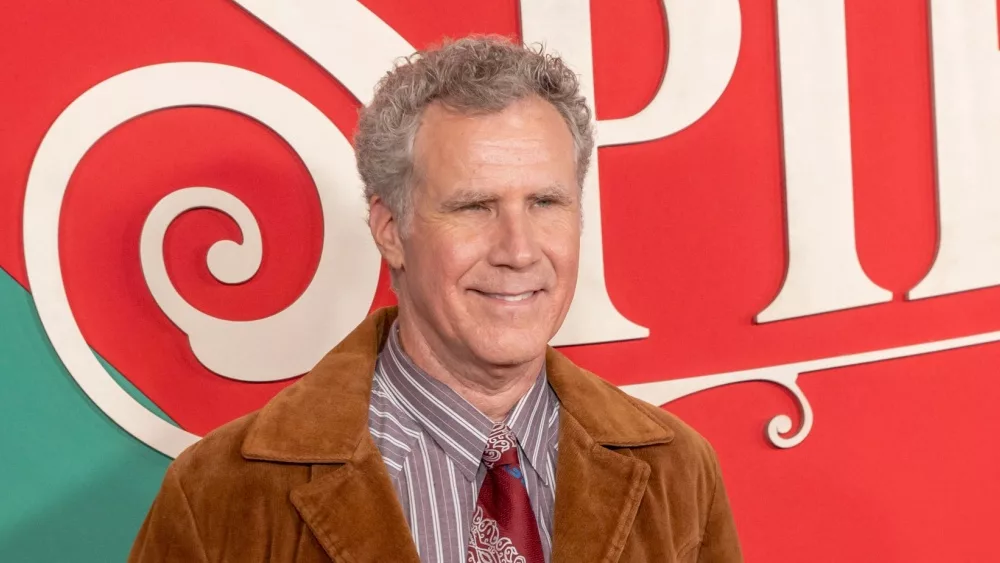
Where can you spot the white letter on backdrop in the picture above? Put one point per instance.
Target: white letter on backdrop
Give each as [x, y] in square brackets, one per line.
[704, 44]
[966, 64]
[824, 273]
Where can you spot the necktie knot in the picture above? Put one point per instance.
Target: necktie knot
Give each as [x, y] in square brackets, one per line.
[501, 447]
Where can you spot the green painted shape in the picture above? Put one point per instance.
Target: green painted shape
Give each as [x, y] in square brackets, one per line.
[75, 486]
[131, 389]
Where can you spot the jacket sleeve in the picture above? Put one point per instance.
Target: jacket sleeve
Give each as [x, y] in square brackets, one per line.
[719, 543]
[169, 532]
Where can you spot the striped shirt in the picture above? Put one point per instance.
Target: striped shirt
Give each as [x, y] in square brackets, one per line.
[432, 441]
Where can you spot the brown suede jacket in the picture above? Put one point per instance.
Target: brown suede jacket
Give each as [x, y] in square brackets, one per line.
[301, 479]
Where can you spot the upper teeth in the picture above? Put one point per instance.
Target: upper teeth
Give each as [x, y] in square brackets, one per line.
[518, 297]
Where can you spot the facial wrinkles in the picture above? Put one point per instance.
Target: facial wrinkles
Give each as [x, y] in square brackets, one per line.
[518, 151]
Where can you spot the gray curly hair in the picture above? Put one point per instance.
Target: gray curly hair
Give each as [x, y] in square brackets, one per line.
[477, 74]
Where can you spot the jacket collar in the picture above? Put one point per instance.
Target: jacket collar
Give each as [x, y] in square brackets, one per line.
[323, 417]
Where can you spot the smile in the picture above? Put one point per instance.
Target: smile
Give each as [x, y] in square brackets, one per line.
[508, 297]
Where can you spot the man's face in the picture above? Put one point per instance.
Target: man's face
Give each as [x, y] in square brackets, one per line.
[492, 248]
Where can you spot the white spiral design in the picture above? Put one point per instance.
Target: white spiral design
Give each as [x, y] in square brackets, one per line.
[778, 428]
[280, 346]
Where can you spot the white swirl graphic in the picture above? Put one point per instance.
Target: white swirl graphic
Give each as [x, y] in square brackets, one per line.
[778, 428]
[280, 346]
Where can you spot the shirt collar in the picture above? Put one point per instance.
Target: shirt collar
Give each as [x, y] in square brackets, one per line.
[534, 421]
[458, 427]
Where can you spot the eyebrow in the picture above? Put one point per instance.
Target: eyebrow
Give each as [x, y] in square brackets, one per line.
[556, 192]
[464, 198]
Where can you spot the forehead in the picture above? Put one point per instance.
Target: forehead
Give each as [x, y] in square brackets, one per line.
[527, 142]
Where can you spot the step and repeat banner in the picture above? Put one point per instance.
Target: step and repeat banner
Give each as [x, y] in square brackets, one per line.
[792, 241]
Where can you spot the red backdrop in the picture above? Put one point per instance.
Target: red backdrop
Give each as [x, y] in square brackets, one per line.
[901, 465]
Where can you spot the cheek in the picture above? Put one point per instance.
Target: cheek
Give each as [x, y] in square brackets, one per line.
[567, 265]
[447, 255]
[562, 243]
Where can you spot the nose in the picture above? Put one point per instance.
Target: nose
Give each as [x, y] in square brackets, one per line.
[515, 245]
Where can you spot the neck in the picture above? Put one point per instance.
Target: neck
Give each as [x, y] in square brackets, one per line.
[493, 389]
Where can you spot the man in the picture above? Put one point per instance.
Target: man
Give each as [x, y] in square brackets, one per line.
[448, 430]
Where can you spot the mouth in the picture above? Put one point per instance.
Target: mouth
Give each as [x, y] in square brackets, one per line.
[509, 297]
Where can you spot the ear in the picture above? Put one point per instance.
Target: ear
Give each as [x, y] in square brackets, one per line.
[385, 230]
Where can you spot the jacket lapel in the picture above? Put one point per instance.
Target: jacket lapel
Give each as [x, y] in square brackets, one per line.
[349, 502]
[598, 489]
[353, 512]
[597, 495]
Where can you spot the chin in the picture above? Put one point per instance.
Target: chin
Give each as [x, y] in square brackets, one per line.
[511, 350]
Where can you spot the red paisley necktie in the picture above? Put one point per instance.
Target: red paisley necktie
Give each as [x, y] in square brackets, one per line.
[504, 529]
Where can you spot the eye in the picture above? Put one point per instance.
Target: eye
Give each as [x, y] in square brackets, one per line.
[546, 202]
[474, 207]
